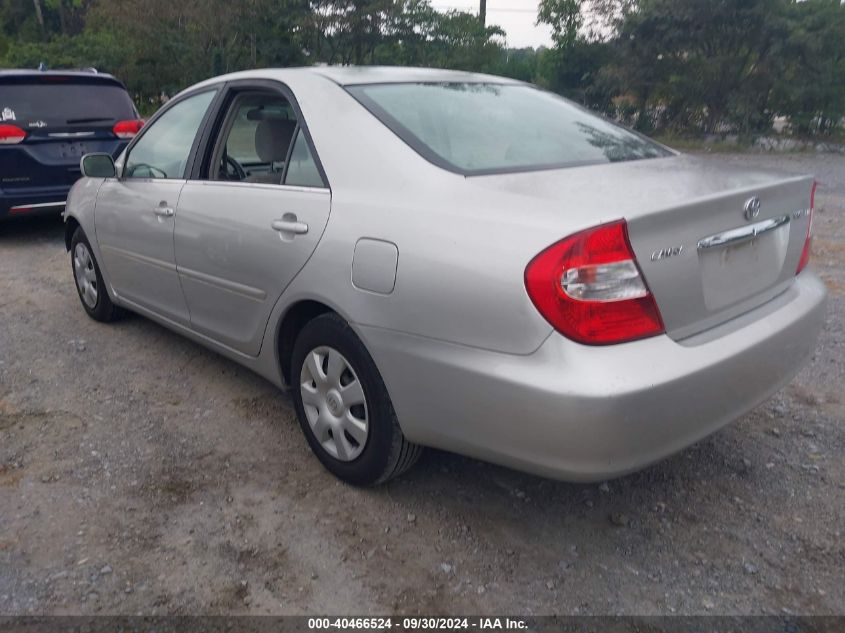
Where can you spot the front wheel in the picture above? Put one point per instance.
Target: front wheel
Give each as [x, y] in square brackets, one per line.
[343, 406]
[89, 281]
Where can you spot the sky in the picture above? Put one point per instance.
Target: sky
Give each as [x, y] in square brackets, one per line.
[516, 17]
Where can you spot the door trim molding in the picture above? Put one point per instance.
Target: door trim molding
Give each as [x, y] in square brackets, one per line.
[256, 294]
[137, 257]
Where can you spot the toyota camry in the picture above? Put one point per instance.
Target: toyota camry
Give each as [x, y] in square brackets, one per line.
[454, 260]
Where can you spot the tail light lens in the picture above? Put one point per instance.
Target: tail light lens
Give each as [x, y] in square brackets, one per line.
[808, 239]
[590, 288]
[127, 129]
[11, 134]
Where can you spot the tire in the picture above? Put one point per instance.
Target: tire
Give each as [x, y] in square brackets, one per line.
[327, 347]
[89, 281]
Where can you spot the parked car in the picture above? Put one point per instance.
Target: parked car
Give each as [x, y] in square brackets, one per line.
[447, 259]
[48, 121]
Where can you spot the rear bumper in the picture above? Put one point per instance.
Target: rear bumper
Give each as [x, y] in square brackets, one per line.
[33, 201]
[583, 413]
[46, 176]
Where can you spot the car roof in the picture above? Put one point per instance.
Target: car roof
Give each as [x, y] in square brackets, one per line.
[351, 75]
[356, 75]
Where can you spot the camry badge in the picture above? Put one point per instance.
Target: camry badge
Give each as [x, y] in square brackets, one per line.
[666, 253]
[752, 208]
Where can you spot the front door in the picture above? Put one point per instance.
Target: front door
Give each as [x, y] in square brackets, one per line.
[246, 230]
[135, 213]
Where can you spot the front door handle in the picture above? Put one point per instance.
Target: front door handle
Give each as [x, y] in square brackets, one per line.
[164, 212]
[286, 225]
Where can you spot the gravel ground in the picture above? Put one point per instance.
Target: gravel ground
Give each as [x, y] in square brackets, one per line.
[140, 473]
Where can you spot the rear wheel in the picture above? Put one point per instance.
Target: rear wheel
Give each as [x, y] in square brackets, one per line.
[89, 282]
[343, 406]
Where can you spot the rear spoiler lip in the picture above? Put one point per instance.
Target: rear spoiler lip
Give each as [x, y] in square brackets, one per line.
[22, 78]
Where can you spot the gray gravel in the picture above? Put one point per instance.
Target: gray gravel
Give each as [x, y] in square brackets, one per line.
[140, 473]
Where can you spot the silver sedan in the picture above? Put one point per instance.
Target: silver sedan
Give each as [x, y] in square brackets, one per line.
[446, 259]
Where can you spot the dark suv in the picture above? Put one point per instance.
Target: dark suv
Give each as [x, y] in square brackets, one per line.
[48, 120]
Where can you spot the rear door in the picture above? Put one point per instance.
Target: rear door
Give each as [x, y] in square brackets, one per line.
[135, 213]
[62, 116]
[250, 221]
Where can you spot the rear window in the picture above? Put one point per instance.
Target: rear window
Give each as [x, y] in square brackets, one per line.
[64, 102]
[478, 128]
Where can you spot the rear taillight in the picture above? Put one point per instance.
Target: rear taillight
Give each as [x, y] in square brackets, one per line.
[808, 239]
[127, 129]
[11, 134]
[590, 288]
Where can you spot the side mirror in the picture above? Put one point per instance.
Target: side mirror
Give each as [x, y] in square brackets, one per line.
[97, 166]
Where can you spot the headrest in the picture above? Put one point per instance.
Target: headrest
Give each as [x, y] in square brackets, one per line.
[260, 114]
[272, 139]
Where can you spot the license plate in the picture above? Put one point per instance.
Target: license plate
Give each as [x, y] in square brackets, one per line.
[732, 273]
[73, 150]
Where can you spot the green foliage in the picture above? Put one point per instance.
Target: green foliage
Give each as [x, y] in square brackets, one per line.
[518, 63]
[811, 85]
[670, 66]
[406, 32]
[703, 64]
[565, 18]
[171, 45]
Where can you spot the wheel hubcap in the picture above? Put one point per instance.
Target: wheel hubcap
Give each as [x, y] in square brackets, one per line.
[334, 403]
[86, 276]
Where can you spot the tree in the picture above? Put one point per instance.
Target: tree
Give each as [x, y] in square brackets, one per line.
[564, 17]
[811, 86]
[348, 31]
[692, 66]
[702, 65]
[607, 16]
[207, 37]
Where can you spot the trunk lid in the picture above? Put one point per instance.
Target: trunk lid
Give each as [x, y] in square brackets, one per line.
[730, 260]
[702, 258]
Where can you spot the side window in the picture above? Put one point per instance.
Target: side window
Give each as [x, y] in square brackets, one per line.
[163, 150]
[255, 139]
[302, 169]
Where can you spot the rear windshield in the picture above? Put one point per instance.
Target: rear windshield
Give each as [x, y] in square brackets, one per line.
[64, 103]
[477, 128]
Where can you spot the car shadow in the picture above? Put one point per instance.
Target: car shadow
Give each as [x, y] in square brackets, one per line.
[694, 486]
[717, 461]
[20, 231]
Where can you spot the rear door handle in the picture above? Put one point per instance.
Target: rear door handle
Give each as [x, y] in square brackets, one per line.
[165, 212]
[290, 226]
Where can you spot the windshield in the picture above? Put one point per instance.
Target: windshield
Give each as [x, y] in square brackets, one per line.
[64, 103]
[477, 128]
